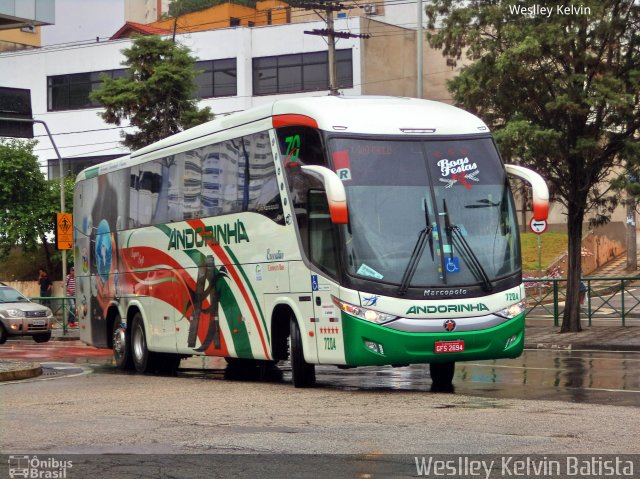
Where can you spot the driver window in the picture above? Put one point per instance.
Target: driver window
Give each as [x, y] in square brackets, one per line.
[322, 251]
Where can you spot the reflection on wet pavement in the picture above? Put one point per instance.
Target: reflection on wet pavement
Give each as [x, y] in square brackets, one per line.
[576, 376]
[599, 377]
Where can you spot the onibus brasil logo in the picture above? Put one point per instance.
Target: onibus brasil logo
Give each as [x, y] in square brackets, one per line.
[36, 468]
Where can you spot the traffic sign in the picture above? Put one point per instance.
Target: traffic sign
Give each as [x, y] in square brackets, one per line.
[538, 226]
[64, 231]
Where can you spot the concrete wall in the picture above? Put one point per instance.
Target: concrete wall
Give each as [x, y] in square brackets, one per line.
[390, 67]
[31, 289]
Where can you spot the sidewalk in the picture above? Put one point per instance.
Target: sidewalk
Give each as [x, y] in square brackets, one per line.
[539, 334]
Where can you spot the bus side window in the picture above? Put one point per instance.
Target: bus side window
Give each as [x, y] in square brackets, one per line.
[211, 180]
[148, 191]
[322, 251]
[264, 195]
[134, 187]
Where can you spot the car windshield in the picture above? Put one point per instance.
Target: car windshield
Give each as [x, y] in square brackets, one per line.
[10, 295]
[427, 212]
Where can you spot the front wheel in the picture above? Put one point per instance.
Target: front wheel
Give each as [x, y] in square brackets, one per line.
[42, 338]
[442, 376]
[304, 374]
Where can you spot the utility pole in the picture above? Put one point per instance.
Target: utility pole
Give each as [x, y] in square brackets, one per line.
[329, 8]
[331, 40]
[419, 59]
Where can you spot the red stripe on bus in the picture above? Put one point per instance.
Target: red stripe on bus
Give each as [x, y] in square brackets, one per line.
[217, 249]
[152, 257]
[293, 120]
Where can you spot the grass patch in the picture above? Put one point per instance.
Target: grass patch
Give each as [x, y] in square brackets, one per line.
[552, 245]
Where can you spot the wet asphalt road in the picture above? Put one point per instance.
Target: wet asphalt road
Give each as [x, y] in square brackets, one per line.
[592, 377]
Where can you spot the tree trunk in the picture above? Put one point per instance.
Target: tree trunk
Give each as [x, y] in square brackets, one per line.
[571, 318]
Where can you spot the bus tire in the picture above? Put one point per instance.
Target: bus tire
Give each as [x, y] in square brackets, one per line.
[442, 376]
[143, 360]
[303, 373]
[121, 345]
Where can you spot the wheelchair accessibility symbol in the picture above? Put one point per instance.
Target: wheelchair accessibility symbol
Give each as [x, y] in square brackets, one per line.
[452, 264]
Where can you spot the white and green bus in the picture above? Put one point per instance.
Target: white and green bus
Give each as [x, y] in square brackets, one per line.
[326, 230]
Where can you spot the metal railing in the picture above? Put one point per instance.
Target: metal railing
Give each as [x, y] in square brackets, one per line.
[605, 298]
[59, 305]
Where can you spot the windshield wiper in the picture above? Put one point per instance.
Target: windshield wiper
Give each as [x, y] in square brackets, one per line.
[418, 249]
[454, 235]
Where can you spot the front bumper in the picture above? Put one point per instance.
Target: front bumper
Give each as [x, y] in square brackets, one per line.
[27, 326]
[403, 348]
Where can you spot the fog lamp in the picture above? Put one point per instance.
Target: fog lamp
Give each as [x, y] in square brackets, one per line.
[373, 346]
[511, 340]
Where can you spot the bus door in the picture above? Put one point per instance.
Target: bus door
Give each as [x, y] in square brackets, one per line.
[322, 253]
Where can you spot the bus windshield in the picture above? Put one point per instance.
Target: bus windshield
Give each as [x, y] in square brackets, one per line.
[426, 213]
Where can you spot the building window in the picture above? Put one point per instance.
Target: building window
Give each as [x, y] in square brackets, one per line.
[216, 78]
[300, 72]
[71, 92]
[234, 22]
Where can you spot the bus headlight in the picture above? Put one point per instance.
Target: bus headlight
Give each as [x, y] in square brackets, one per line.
[512, 311]
[363, 313]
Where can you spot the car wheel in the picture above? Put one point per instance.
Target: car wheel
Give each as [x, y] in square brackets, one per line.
[121, 346]
[442, 376]
[3, 334]
[304, 374]
[42, 338]
[142, 357]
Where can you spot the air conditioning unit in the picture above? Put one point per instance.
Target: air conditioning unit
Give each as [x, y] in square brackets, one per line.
[28, 29]
[370, 9]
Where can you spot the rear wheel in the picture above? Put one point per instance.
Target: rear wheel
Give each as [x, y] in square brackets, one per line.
[143, 359]
[304, 374]
[442, 376]
[121, 345]
[42, 338]
[3, 334]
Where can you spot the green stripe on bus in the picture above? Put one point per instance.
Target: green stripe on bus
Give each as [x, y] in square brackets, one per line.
[253, 293]
[231, 309]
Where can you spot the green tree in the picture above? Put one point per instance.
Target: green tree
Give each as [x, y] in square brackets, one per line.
[561, 89]
[29, 202]
[156, 96]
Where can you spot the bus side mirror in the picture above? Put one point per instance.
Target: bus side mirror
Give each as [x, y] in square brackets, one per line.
[334, 189]
[539, 189]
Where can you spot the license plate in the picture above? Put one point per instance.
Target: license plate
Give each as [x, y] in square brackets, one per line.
[449, 346]
[39, 322]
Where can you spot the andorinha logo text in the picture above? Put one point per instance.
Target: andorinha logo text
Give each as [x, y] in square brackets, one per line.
[209, 235]
[447, 308]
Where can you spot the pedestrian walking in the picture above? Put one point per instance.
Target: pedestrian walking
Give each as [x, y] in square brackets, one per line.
[45, 287]
[71, 298]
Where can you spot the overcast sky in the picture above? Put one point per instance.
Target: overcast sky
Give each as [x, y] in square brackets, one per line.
[78, 20]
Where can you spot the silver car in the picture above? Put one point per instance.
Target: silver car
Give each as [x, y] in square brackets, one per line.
[21, 317]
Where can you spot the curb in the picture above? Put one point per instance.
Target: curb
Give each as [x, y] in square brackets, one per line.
[23, 373]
